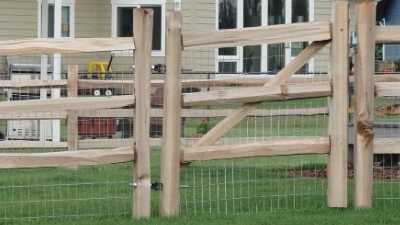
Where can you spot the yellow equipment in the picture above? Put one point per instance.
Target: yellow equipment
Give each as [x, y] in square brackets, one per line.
[98, 67]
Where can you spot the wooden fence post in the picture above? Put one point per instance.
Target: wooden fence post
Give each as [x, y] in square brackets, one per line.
[171, 145]
[364, 114]
[143, 33]
[338, 110]
[72, 115]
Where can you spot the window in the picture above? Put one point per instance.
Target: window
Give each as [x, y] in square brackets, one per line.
[67, 19]
[252, 59]
[122, 20]
[276, 52]
[227, 67]
[252, 18]
[276, 12]
[300, 12]
[227, 19]
[227, 14]
[253, 13]
[276, 57]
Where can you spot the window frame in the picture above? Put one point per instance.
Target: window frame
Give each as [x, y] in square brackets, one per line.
[70, 3]
[264, 22]
[115, 4]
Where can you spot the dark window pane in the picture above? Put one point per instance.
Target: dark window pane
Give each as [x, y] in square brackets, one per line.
[66, 26]
[276, 57]
[227, 51]
[125, 24]
[276, 12]
[157, 27]
[252, 59]
[227, 67]
[300, 11]
[297, 47]
[252, 13]
[227, 14]
[50, 27]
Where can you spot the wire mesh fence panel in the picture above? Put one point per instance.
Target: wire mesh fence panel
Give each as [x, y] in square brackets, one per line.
[255, 184]
[262, 184]
[386, 166]
[40, 194]
[35, 195]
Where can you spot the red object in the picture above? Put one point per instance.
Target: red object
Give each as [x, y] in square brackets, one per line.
[97, 127]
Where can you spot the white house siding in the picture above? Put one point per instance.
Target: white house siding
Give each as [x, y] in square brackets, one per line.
[323, 12]
[92, 19]
[18, 19]
[199, 16]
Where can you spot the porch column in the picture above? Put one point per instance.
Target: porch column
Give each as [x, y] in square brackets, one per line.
[55, 93]
[43, 5]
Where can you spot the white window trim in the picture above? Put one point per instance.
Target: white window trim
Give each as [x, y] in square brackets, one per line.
[70, 3]
[139, 4]
[264, 22]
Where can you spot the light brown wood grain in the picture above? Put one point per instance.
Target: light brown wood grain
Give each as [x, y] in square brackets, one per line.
[299, 32]
[257, 94]
[273, 147]
[339, 104]
[387, 89]
[31, 83]
[64, 45]
[387, 146]
[69, 103]
[156, 112]
[364, 92]
[143, 32]
[72, 115]
[388, 34]
[14, 144]
[65, 159]
[171, 143]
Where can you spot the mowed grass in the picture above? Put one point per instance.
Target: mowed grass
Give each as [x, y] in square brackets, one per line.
[309, 217]
[265, 190]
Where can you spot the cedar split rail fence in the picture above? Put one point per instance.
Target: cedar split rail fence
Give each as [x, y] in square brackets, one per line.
[334, 33]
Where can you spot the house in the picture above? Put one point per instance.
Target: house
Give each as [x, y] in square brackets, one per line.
[388, 13]
[104, 18]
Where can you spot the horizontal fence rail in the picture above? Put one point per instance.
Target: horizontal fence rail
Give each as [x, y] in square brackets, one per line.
[241, 80]
[387, 89]
[273, 147]
[313, 31]
[388, 34]
[65, 45]
[69, 103]
[155, 112]
[66, 159]
[258, 94]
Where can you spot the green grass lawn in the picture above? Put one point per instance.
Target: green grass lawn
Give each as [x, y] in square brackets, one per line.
[265, 190]
[309, 217]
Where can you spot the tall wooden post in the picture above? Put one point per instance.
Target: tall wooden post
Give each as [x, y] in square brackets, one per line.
[72, 115]
[171, 145]
[143, 32]
[338, 113]
[364, 114]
